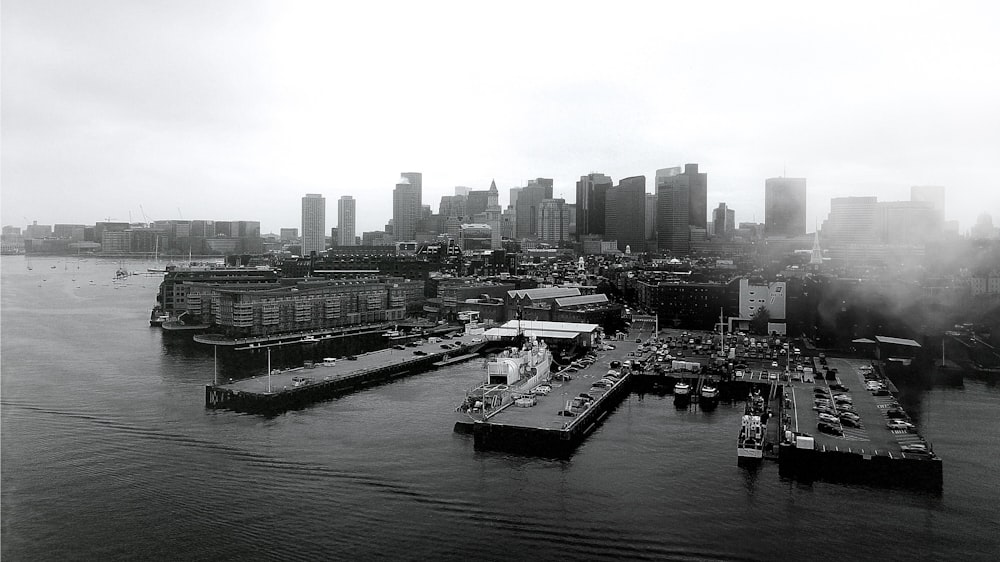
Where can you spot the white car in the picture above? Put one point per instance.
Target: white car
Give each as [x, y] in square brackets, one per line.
[899, 424]
[828, 418]
[774, 364]
[477, 340]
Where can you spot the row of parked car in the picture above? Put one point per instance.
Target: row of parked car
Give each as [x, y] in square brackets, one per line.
[834, 409]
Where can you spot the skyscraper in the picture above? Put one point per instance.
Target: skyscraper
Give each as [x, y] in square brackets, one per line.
[417, 183]
[625, 213]
[528, 201]
[493, 212]
[724, 221]
[650, 221]
[784, 206]
[682, 206]
[345, 221]
[553, 220]
[591, 193]
[313, 223]
[405, 210]
[852, 220]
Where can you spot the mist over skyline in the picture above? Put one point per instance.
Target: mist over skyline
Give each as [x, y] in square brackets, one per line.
[235, 110]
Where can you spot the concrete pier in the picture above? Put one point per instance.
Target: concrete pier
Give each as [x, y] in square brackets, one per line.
[298, 387]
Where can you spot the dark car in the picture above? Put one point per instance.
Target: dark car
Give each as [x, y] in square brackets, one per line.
[445, 337]
[419, 352]
[352, 357]
[398, 346]
[839, 387]
[829, 428]
[882, 392]
[566, 413]
[896, 414]
[850, 422]
[446, 346]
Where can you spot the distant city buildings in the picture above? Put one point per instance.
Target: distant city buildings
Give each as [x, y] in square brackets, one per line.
[625, 213]
[723, 222]
[313, 224]
[528, 202]
[785, 207]
[405, 209]
[553, 216]
[682, 208]
[591, 194]
[346, 221]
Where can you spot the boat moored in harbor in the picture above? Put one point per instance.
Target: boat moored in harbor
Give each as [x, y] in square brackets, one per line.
[750, 443]
[510, 375]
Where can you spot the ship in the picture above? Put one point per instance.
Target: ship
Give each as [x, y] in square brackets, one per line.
[750, 443]
[510, 374]
[682, 392]
[709, 396]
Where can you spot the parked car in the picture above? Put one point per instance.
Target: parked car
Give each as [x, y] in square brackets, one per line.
[899, 424]
[850, 422]
[398, 346]
[830, 428]
[419, 352]
[828, 418]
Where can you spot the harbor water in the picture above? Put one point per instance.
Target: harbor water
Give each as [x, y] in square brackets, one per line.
[108, 452]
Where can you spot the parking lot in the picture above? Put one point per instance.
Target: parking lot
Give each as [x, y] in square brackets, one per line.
[866, 399]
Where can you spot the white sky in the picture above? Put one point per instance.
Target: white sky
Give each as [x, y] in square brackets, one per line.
[233, 110]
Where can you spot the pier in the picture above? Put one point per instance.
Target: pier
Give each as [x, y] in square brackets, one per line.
[544, 428]
[871, 453]
[279, 391]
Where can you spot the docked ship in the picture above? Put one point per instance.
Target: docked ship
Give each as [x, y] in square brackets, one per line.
[750, 444]
[510, 374]
[709, 396]
[682, 392]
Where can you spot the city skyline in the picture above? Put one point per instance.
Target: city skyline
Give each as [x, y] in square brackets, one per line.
[109, 112]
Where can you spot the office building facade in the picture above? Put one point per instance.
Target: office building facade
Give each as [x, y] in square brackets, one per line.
[591, 194]
[313, 223]
[625, 212]
[346, 221]
[784, 207]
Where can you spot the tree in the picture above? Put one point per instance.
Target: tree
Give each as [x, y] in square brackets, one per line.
[758, 323]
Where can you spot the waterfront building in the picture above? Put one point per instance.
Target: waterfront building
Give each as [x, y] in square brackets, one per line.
[405, 210]
[755, 296]
[693, 306]
[625, 212]
[74, 232]
[682, 208]
[308, 305]
[346, 220]
[784, 207]
[591, 193]
[313, 224]
[177, 281]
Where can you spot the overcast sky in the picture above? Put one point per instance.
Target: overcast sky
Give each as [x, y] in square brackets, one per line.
[234, 110]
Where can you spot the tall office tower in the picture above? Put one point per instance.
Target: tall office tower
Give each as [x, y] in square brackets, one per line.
[461, 190]
[514, 191]
[417, 182]
[572, 219]
[528, 200]
[650, 221]
[933, 194]
[452, 206]
[724, 221]
[493, 213]
[405, 211]
[346, 218]
[852, 220]
[553, 221]
[907, 222]
[313, 223]
[624, 204]
[591, 193]
[784, 206]
[682, 207]
[476, 202]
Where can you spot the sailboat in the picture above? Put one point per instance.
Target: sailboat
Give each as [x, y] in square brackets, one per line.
[156, 258]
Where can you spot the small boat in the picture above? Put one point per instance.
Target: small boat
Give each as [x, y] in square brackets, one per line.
[309, 339]
[682, 388]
